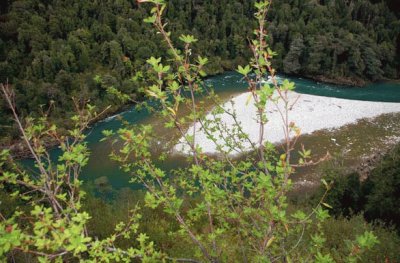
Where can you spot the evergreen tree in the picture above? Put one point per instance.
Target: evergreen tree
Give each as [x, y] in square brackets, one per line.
[291, 63]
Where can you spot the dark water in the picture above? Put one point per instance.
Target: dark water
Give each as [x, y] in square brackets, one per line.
[225, 85]
[384, 91]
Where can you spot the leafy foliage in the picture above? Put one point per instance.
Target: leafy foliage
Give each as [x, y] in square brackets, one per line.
[51, 51]
[227, 208]
[376, 197]
[243, 201]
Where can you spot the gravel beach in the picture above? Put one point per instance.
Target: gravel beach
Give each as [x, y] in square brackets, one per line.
[309, 112]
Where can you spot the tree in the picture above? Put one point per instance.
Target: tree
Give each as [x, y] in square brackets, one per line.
[4, 6]
[73, 36]
[382, 192]
[356, 62]
[228, 209]
[241, 200]
[316, 54]
[375, 198]
[372, 63]
[291, 63]
[56, 224]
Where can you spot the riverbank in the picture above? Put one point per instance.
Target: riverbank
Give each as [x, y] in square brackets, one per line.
[19, 150]
[221, 82]
[310, 113]
[353, 81]
[355, 148]
[346, 81]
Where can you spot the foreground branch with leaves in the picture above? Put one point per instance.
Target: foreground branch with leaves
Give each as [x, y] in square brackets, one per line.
[241, 204]
[230, 209]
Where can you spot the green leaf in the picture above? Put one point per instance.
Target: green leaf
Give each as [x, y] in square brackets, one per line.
[327, 205]
[150, 19]
[187, 39]
[324, 182]
[151, 201]
[367, 240]
[153, 61]
[202, 61]
[97, 79]
[320, 258]
[244, 71]
[287, 85]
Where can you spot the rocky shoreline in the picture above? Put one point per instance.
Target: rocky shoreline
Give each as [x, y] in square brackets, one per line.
[370, 162]
[364, 168]
[19, 150]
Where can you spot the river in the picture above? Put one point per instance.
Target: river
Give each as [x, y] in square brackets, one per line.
[100, 168]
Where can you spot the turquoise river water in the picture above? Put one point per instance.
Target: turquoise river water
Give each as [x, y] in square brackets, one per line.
[226, 85]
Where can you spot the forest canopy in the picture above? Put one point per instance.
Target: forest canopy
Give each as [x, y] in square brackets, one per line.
[212, 209]
[51, 51]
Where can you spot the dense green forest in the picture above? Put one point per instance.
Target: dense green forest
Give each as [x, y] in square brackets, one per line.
[51, 51]
[213, 209]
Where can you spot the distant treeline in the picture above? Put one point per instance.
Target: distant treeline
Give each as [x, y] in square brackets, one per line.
[52, 50]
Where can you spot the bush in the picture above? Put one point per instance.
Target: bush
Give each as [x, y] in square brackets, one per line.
[377, 197]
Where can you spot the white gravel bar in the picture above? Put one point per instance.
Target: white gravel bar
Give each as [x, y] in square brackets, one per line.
[310, 113]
